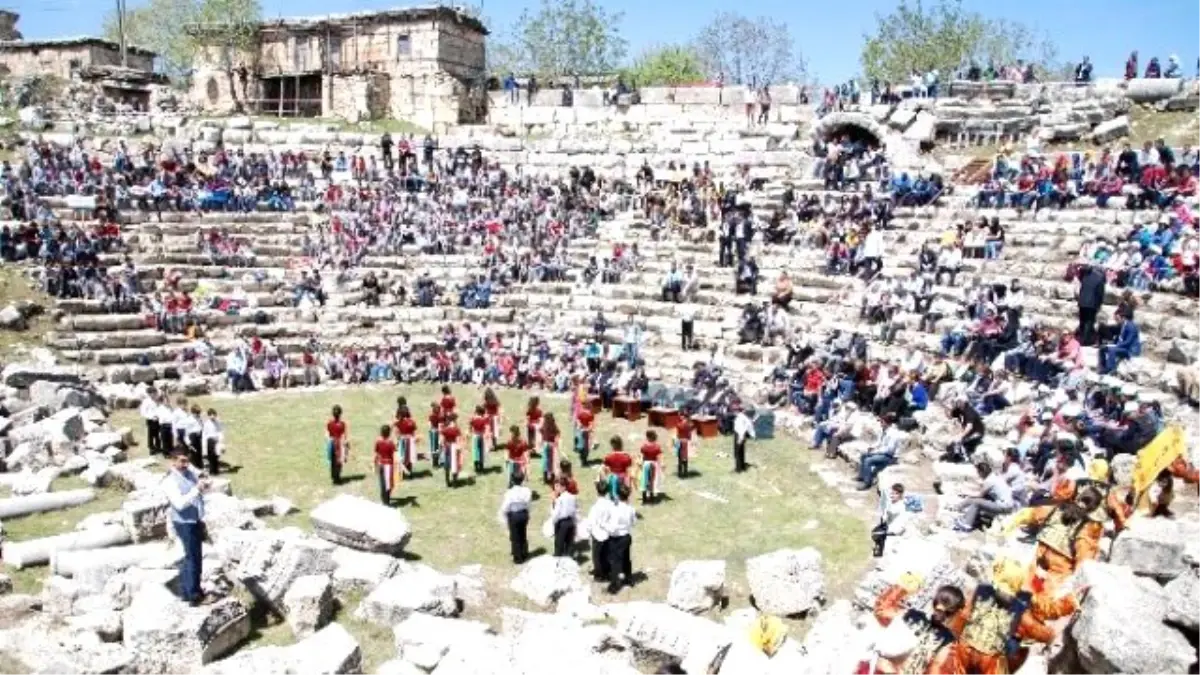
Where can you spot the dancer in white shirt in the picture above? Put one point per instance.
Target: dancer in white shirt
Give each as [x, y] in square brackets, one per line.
[514, 512]
[213, 434]
[620, 541]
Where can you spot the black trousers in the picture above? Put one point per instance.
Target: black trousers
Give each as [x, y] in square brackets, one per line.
[335, 470]
[688, 330]
[518, 535]
[194, 441]
[739, 454]
[1087, 325]
[166, 438]
[210, 452]
[564, 537]
[879, 538]
[153, 440]
[619, 561]
[600, 560]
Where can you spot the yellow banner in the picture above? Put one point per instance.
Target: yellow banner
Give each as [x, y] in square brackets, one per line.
[1156, 457]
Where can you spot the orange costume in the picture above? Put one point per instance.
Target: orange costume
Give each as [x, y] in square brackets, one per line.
[996, 623]
[1061, 547]
[934, 651]
[1113, 505]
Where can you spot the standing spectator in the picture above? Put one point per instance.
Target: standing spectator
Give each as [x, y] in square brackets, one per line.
[687, 328]
[185, 491]
[514, 511]
[1090, 296]
[511, 89]
[751, 99]
[764, 105]
[1083, 71]
[743, 430]
[894, 520]
[385, 149]
[619, 523]
[1131, 66]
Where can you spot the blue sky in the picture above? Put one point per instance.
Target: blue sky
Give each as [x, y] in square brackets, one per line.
[829, 34]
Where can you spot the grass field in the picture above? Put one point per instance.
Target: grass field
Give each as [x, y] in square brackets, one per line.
[15, 287]
[275, 446]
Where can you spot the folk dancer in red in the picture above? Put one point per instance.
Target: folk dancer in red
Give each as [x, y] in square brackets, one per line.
[550, 434]
[651, 467]
[518, 455]
[533, 423]
[337, 444]
[685, 447]
[585, 421]
[385, 464]
[479, 437]
[491, 407]
[451, 452]
[435, 434]
[406, 439]
[615, 471]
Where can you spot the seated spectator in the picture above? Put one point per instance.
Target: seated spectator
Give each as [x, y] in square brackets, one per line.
[782, 296]
[1127, 345]
[1153, 69]
[882, 455]
[972, 428]
[672, 287]
[747, 277]
[995, 498]
[949, 264]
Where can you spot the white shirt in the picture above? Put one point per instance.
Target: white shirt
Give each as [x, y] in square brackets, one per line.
[896, 517]
[743, 427]
[598, 518]
[565, 507]
[165, 414]
[620, 520]
[516, 498]
[180, 501]
[183, 421]
[212, 430]
[873, 245]
[148, 409]
[997, 489]
[750, 97]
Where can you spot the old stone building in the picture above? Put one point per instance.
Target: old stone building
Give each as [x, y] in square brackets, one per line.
[424, 65]
[67, 57]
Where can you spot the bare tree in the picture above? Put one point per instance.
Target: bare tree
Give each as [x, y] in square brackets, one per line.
[749, 51]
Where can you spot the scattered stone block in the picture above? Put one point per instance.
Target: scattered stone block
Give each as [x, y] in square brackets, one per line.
[545, 579]
[422, 639]
[361, 524]
[308, 604]
[1154, 547]
[421, 590]
[697, 585]
[786, 582]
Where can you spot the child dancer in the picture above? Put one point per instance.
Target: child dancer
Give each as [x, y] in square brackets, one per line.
[195, 435]
[435, 434]
[491, 406]
[617, 464]
[651, 467]
[518, 455]
[479, 437]
[584, 423]
[214, 438]
[337, 445]
[550, 435]
[533, 423]
[406, 439]
[448, 404]
[684, 445]
[451, 453]
[385, 464]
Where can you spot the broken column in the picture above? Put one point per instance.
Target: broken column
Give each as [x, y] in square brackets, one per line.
[72, 563]
[15, 507]
[21, 554]
[361, 524]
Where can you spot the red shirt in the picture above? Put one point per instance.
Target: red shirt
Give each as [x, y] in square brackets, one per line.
[479, 424]
[450, 434]
[406, 426]
[549, 436]
[385, 451]
[517, 450]
[336, 429]
[448, 404]
[684, 430]
[618, 462]
[492, 409]
[651, 452]
[435, 420]
[534, 416]
[572, 486]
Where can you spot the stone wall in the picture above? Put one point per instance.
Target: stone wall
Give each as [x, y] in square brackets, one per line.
[21, 60]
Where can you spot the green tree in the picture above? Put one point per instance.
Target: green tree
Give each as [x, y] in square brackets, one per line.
[945, 36]
[665, 66]
[164, 26]
[570, 37]
[749, 51]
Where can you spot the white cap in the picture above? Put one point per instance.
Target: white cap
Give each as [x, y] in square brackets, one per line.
[1131, 406]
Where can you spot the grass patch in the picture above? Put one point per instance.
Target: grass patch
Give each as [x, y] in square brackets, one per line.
[16, 287]
[29, 580]
[275, 444]
[1176, 128]
[392, 126]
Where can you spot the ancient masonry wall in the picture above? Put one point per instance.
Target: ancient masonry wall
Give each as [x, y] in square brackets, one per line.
[61, 60]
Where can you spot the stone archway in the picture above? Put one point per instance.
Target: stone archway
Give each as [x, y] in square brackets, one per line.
[857, 125]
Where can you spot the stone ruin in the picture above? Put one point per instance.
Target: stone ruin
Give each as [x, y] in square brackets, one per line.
[106, 605]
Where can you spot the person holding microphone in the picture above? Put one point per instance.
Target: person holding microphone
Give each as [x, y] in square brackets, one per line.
[185, 488]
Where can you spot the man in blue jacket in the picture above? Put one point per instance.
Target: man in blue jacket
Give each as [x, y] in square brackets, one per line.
[1127, 346]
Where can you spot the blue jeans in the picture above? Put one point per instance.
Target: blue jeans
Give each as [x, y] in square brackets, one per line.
[1111, 357]
[191, 537]
[821, 434]
[953, 344]
[872, 464]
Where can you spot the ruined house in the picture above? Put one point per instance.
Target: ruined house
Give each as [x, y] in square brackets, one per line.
[424, 65]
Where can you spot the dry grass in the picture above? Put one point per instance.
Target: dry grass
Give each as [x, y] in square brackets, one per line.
[276, 448]
[15, 287]
[1176, 128]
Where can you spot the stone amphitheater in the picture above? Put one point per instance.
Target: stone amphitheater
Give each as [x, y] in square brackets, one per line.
[105, 606]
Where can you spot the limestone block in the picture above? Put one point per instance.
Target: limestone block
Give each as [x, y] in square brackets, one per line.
[361, 524]
[1143, 90]
[787, 581]
[1106, 132]
[545, 579]
[329, 651]
[274, 564]
[308, 603]
[666, 630]
[361, 571]
[421, 590]
[422, 639]
[1154, 547]
[697, 585]
[1119, 628]
[166, 635]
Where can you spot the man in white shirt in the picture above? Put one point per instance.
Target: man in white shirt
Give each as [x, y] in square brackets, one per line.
[149, 412]
[743, 429]
[995, 498]
[894, 521]
[514, 512]
[883, 454]
[185, 489]
[166, 433]
[598, 522]
[213, 434]
[563, 518]
[620, 541]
